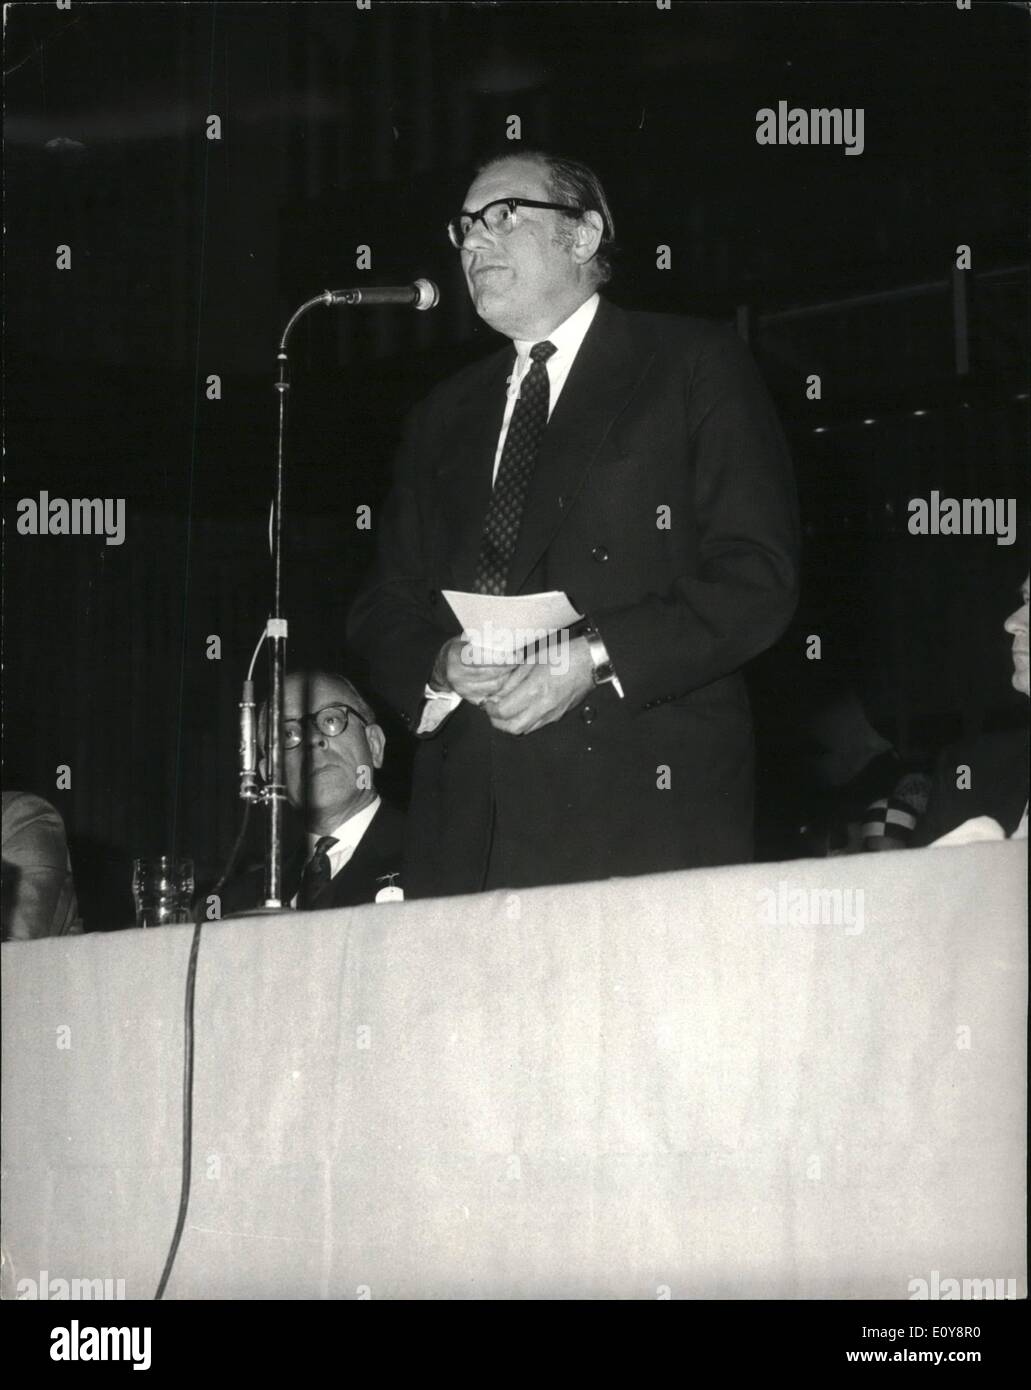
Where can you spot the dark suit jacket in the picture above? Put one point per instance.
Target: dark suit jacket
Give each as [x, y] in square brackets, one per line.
[998, 764]
[379, 852]
[657, 411]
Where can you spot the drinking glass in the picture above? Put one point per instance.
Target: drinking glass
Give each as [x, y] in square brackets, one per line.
[162, 887]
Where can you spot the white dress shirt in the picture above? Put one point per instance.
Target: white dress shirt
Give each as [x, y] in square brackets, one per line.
[348, 836]
[566, 340]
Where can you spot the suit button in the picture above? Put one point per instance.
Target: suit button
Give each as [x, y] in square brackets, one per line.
[600, 553]
[588, 714]
[562, 501]
[434, 598]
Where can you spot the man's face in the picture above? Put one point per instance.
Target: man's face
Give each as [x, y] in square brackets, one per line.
[323, 773]
[519, 280]
[1016, 626]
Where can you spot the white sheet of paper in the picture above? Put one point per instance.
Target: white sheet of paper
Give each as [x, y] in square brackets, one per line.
[975, 829]
[508, 622]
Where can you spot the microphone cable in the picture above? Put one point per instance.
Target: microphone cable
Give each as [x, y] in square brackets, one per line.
[191, 982]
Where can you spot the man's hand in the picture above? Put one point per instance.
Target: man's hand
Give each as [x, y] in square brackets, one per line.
[536, 693]
[474, 681]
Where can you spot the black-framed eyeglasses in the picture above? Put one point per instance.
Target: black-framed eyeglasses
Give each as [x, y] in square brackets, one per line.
[331, 720]
[501, 217]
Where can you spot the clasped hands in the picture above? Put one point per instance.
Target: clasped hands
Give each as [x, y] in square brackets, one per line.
[517, 699]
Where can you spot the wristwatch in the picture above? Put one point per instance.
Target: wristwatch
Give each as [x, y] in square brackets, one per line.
[604, 673]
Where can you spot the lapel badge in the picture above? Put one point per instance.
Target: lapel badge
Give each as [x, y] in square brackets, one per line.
[391, 893]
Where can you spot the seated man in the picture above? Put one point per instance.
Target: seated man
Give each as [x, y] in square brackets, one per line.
[38, 892]
[351, 851]
[980, 786]
[865, 795]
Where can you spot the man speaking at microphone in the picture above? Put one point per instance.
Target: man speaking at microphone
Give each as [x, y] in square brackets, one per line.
[633, 461]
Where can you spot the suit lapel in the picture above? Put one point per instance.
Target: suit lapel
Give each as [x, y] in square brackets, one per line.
[293, 868]
[603, 377]
[376, 853]
[356, 880]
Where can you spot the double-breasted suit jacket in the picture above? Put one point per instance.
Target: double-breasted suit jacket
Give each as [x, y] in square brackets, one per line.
[663, 503]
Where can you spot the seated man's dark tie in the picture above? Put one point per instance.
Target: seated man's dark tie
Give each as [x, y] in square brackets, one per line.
[316, 873]
[505, 513]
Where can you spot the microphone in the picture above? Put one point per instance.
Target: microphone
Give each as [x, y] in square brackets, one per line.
[250, 785]
[423, 294]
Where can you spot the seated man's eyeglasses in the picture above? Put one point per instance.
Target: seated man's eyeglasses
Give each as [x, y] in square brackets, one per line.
[500, 217]
[331, 720]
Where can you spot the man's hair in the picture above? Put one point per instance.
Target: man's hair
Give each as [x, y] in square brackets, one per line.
[569, 181]
[358, 700]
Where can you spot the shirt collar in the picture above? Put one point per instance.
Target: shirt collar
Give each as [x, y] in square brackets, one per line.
[567, 337]
[348, 832]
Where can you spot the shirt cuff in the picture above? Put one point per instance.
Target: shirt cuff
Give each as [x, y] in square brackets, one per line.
[439, 704]
[603, 652]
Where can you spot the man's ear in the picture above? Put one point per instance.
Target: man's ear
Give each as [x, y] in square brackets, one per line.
[377, 741]
[588, 236]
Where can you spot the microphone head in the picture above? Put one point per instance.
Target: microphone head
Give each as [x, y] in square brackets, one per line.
[429, 295]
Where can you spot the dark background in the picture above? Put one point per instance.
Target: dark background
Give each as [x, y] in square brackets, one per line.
[342, 127]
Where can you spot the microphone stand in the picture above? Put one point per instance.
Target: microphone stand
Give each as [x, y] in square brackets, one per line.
[423, 294]
[275, 788]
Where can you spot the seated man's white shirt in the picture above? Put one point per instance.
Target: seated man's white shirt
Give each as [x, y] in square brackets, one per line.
[348, 836]
[566, 340]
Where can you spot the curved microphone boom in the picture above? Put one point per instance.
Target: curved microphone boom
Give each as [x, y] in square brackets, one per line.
[423, 294]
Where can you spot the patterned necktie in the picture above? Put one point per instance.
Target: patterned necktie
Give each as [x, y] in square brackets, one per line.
[505, 513]
[316, 873]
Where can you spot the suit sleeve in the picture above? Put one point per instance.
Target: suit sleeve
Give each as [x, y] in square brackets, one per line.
[936, 820]
[392, 622]
[744, 588]
[39, 873]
